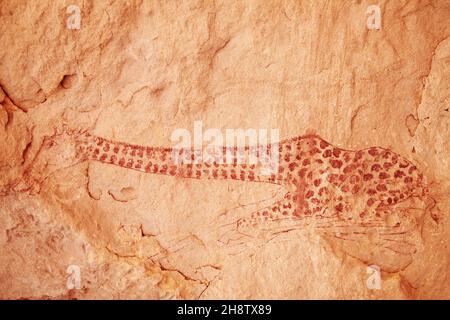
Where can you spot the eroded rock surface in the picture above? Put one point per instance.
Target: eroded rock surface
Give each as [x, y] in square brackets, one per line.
[80, 219]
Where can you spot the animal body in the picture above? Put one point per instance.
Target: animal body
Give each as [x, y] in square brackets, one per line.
[359, 188]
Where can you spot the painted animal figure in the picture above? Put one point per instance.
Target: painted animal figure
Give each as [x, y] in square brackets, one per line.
[325, 183]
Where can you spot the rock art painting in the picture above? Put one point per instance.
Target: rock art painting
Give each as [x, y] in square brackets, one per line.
[98, 202]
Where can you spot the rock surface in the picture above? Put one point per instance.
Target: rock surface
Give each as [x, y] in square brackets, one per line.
[135, 71]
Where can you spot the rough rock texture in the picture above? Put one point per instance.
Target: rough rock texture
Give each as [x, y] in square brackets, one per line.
[136, 71]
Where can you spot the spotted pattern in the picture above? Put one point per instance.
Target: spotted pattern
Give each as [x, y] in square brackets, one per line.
[325, 181]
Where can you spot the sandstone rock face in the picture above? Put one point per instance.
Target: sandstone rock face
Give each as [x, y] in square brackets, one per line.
[80, 76]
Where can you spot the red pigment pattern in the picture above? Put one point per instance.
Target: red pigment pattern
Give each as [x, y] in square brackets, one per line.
[325, 181]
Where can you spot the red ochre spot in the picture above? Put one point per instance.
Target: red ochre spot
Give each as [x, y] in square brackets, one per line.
[336, 163]
[358, 155]
[339, 207]
[302, 172]
[317, 182]
[121, 161]
[113, 159]
[399, 174]
[327, 153]
[116, 149]
[289, 206]
[403, 164]
[148, 167]
[306, 162]
[383, 175]
[103, 157]
[367, 177]
[408, 180]
[387, 165]
[323, 144]
[348, 169]
[345, 188]
[355, 189]
[370, 202]
[411, 169]
[292, 166]
[371, 192]
[336, 152]
[381, 187]
[347, 157]
[376, 167]
[373, 151]
[309, 194]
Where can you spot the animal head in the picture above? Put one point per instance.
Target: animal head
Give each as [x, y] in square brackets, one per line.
[58, 151]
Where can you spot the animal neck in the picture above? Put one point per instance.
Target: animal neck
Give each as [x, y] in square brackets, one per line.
[229, 164]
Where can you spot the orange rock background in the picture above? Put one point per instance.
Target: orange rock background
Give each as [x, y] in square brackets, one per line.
[137, 70]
